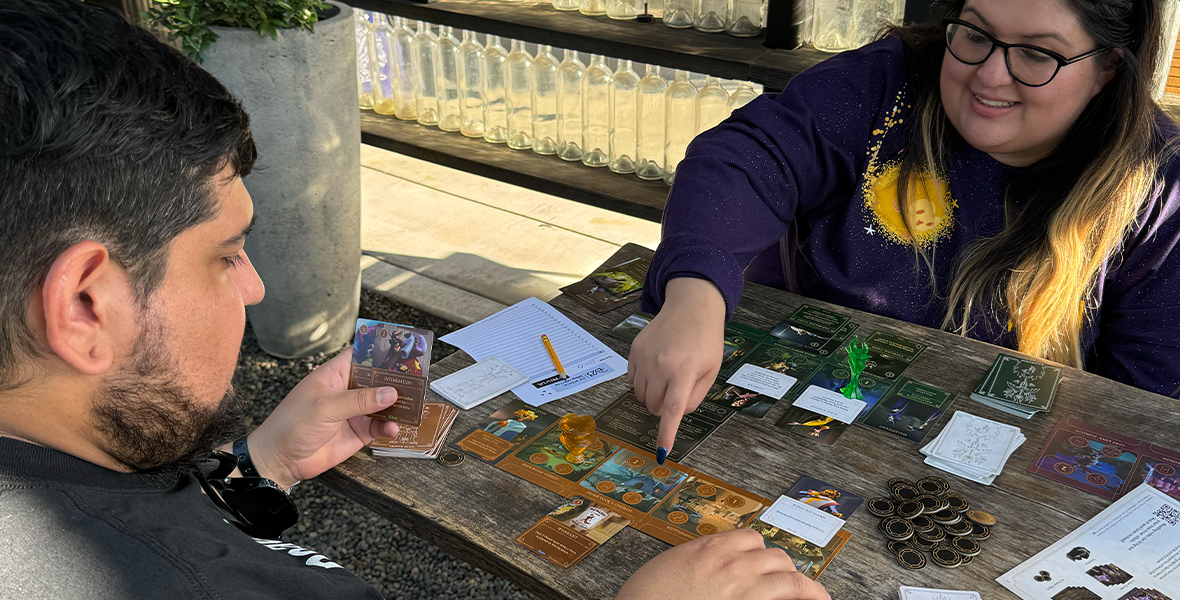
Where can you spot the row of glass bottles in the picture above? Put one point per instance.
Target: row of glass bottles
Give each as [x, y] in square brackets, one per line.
[579, 112]
[839, 25]
[741, 18]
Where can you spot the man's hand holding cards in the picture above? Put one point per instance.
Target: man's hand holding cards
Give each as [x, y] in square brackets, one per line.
[397, 356]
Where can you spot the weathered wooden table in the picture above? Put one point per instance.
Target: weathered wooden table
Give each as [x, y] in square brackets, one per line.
[474, 511]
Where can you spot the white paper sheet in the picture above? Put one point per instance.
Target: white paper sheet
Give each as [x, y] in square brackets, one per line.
[514, 336]
[916, 593]
[1130, 550]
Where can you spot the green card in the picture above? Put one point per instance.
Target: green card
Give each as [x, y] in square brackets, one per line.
[890, 355]
[739, 340]
[910, 409]
[1028, 384]
[818, 320]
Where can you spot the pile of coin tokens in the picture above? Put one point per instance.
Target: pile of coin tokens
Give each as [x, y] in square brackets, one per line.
[926, 518]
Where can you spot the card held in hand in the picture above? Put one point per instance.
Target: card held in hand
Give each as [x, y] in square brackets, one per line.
[397, 356]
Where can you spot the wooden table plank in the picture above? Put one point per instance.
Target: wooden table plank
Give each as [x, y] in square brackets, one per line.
[475, 510]
[625, 194]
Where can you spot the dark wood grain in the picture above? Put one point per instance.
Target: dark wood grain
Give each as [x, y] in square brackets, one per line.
[775, 68]
[625, 194]
[475, 510]
[538, 22]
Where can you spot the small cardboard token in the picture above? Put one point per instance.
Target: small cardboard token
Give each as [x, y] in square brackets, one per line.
[935, 534]
[911, 559]
[450, 458]
[922, 544]
[965, 546]
[946, 517]
[980, 532]
[922, 523]
[930, 503]
[960, 529]
[946, 556]
[896, 546]
[898, 481]
[909, 509]
[968, 559]
[905, 492]
[983, 518]
[957, 503]
[897, 528]
[881, 507]
[933, 485]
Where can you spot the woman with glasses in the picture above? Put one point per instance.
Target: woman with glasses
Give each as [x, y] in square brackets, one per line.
[1000, 171]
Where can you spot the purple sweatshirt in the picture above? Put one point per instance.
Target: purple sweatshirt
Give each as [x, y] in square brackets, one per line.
[799, 192]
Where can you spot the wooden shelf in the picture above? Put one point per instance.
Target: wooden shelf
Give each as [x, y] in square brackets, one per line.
[535, 21]
[625, 194]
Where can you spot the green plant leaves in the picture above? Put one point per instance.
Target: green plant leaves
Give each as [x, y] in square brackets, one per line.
[190, 20]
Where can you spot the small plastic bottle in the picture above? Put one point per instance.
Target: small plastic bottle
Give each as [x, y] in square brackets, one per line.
[544, 74]
[518, 90]
[623, 117]
[471, 86]
[742, 96]
[680, 122]
[495, 114]
[449, 101]
[650, 124]
[425, 45]
[596, 113]
[570, 74]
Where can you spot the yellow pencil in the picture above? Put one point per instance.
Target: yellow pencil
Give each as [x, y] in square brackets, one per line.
[553, 354]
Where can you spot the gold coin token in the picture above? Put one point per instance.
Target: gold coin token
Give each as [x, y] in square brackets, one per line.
[605, 487]
[450, 458]
[909, 509]
[983, 518]
[896, 546]
[930, 503]
[563, 469]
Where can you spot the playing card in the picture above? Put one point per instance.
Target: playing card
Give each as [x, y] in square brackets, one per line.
[916, 593]
[794, 334]
[890, 355]
[747, 402]
[910, 409]
[572, 531]
[632, 261]
[825, 496]
[423, 441]
[634, 479]
[471, 386]
[629, 420]
[809, 559]
[1026, 384]
[704, 506]
[1088, 458]
[397, 356]
[834, 376]
[739, 341]
[974, 442]
[512, 426]
[812, 425]
[630, 327]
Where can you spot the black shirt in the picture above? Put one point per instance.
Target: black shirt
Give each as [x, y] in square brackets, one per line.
[73, 529]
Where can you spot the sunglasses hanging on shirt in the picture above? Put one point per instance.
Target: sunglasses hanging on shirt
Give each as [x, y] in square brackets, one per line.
[255, 505]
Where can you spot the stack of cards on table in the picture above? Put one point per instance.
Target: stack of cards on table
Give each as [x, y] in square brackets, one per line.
[474, 385]
[1018, 386]
[423, 441]
[916, 593]
[397, 356]
[616, 282]
[973, 447]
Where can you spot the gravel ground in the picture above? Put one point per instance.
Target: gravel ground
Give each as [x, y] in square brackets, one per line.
[400, 565]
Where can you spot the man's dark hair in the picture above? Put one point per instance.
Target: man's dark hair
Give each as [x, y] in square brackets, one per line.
[108, 135]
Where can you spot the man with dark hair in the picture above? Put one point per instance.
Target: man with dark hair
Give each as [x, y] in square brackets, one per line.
[122, 293]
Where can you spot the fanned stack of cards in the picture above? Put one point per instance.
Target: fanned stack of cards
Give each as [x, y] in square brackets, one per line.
[1018, 386]
[973, 447]
[423, 441]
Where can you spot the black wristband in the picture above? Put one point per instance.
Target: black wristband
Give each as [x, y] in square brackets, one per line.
[245, 464]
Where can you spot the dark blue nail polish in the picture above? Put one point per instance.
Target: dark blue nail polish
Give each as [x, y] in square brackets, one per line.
[661, 455]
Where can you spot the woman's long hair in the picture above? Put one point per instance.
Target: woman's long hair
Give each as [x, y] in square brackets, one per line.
[1077, 205]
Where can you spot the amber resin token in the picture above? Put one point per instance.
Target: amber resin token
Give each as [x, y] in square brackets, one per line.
[965, 546]
[881, 507]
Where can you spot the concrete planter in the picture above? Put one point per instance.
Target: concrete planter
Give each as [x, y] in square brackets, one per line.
[301, 94]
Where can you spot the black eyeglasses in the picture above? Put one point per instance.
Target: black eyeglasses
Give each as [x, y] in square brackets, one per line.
[1031, 65]
[255, 505]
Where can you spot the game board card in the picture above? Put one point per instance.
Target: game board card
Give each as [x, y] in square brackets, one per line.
[512, 426]
[830, 404]
[397, 356]
[812, 425]
[809, 559]
[628, 420]
[739, 341]
[1027, 384]
[890, 355]
[818, 319]
[547, 453]
[785, 359]
[1159, 468]
[916, 593]
[747, 402]
[471, 386]
[624, 278]
[631, 259]
[634, 479]
[630, 327]
[1088, 458]
[834, 376]
[764, 381]
[804, 520]
[825, 496]
[572, 531]
[910, 409]
[704, 506]
[815, 330]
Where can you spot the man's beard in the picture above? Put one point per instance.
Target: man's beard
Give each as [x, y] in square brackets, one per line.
[149, 420]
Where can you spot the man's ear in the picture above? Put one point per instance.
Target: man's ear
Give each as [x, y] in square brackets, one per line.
[87, 305]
